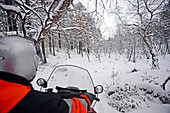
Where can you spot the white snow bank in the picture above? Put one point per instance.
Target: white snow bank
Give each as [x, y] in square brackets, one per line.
[119, 73]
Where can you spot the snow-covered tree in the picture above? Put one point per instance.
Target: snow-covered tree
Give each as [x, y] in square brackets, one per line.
[35, 17]
[164, 30]
[145, 13]
[77, 29]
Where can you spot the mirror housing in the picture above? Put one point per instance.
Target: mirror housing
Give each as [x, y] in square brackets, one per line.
[98, 89]
[42, 82]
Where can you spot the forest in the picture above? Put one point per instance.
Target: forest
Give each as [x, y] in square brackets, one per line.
[64, 25]
[141, 28]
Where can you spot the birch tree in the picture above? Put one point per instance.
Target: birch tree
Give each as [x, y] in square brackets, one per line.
[145, 12]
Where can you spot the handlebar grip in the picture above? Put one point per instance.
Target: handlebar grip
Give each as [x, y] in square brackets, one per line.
[71, 89]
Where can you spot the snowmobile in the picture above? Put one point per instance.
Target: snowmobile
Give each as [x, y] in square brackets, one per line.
[71, 78]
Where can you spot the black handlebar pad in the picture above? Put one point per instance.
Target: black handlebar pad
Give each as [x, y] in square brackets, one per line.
[74, 89]
[71, 92]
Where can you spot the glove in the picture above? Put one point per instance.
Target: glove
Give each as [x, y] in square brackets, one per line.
[89, 97]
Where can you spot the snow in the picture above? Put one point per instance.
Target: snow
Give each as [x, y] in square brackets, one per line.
[59, 5]
[9, 7]
[115, 73]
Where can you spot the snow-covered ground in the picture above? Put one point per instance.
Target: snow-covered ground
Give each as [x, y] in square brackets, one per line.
[124, 90]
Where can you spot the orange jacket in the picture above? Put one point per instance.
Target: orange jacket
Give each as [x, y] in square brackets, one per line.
[11, 94]
[13, 89]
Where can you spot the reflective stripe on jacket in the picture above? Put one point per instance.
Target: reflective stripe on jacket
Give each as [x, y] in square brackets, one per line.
[79, 105]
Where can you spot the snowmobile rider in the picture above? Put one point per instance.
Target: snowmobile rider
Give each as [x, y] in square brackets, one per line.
[19, 58]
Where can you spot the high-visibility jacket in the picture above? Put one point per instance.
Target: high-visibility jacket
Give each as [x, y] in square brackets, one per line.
[17, 96]
[11, 93]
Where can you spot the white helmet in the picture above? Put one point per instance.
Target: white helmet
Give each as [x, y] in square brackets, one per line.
[19, 56]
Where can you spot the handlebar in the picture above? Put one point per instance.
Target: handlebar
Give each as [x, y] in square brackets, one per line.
[74, 89]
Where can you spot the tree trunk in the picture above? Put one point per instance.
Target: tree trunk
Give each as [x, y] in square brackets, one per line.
[14, 23]
[72, 45]
[131, 51]
[87, 52]
[155, 64]
[53, 41]
[43, 51]
[68, 51]
[134, 51]
[167, 46]
[59, 41]
[50, 43]
[9, 21]
[80, 48]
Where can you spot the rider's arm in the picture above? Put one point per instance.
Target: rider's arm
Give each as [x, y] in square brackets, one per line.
[41, 102]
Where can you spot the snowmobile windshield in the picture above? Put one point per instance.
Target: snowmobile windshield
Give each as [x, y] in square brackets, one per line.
[71, 76]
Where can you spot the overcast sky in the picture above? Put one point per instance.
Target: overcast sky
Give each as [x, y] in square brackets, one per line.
[109, 23]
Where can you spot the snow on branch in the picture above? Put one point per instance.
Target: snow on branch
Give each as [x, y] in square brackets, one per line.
[10, 8]
[59, 6]
[30, 9]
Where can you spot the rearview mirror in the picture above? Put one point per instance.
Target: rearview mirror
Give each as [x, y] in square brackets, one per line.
[98, 89]
[42, 82]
